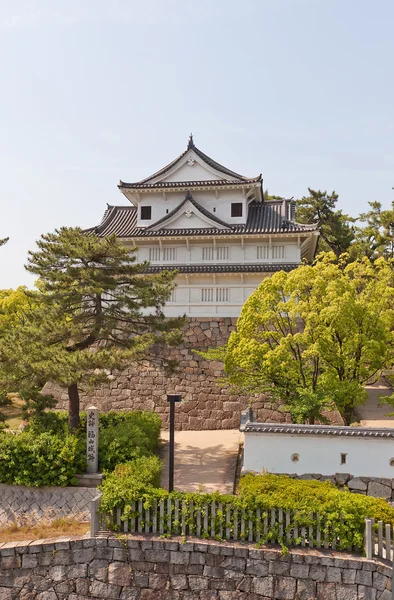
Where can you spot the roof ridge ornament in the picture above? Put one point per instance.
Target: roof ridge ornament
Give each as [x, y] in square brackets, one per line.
[190, 143]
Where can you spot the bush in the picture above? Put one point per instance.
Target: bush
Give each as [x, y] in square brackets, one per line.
[39, 460]
[341, 514]
[137, 476]
[123, 436]
[281, 491]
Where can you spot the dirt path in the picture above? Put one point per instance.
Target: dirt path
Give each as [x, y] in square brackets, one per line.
[203, 460]
[372, 414]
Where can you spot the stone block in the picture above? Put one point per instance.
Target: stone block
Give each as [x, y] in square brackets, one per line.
[197, 583]
[98, 569]
[357, 484]
[178, 582]
[366, 593]
[306, 589]
[326, 591]
[279, 568]
[157, 581]
[349, 575]
[257, 568]
[299, 571]
[334, 575]
[364, 577]
[378, 490]
[159, 555]
[119, 573]
[346, 592]
[317, 573]
[104, 590]
[285, 588]
[263, 586]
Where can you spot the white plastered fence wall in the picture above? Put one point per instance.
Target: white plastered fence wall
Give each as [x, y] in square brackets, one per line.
[326, 450]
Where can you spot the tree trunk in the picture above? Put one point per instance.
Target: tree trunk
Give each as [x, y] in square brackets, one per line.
[73, 406]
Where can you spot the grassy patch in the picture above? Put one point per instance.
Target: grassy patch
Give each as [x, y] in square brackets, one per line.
[13, 412]
[58, 528]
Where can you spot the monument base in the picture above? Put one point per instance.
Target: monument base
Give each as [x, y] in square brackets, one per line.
[90, 480]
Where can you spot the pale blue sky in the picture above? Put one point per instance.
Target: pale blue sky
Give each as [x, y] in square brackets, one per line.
[93, 91]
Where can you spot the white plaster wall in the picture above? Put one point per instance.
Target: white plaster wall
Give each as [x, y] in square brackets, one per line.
[196, 172]
[368, 457]
[188, 294]
[161, 203]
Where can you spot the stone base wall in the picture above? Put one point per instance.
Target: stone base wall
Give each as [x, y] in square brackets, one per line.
[206, 404]
[153, 569]
[29, 505]
[377, 487]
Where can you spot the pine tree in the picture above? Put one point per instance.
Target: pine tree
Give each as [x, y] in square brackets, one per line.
[375, 237]
[336, 230]
[96, 310]
[3, 241]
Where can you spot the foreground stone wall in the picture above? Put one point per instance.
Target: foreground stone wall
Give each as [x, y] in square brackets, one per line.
[377, 487]
[29, 505]
[143, 569]
[206, 405]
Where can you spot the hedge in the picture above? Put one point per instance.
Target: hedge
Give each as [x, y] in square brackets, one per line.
[312, 505]
[141, 474]
[123, 436]
[39, 460]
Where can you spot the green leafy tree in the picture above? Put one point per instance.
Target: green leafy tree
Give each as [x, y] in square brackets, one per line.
[313, 337]
[96, 310]
[336, 229]
[375, 237]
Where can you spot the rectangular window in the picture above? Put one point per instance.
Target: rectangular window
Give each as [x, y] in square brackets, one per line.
[236, 209]
[207, 295]
[169, 253]
[278, 252]
[222, 294]
[263, 252]
[154, 254]
[146, 213]
[223, 253]
[208, 253]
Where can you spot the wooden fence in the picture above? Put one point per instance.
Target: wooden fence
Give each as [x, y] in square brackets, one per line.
[378, 541]
[216, 520]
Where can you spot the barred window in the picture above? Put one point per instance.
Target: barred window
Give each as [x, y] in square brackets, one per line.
[154, 254]
[222, 294]
[207, 295]
[208, 253]
[223, 253]
[278, 251]
[169, 253]
[263, 252]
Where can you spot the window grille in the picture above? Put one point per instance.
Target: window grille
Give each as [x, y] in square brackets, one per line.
[263, 252]
[169, 253]
[278, 251]
[236, 209]
[223, 253]
[222, 294]
[208, 253]
[207, 295]
[154, 254]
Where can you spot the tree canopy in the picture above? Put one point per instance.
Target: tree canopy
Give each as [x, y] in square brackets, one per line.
[336, 228]
[95, 311]
[316, 336]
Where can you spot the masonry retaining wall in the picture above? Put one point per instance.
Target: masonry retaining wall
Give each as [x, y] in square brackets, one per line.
[153, 569]
[29, 505]
[206, 405]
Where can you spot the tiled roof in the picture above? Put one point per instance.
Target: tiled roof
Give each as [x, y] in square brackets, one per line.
[335, 430]
[207, 159]
[201, 209]
[187, 184]
[216, 268]
[263, 217]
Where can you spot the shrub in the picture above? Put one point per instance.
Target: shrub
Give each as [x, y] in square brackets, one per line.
[122, 435]
[281, 491]
[137, 476]
[39, 460]
[341, 515]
